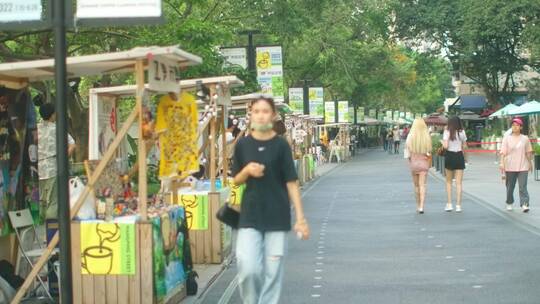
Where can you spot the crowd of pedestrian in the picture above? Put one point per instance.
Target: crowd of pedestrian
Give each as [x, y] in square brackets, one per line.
[515, 163]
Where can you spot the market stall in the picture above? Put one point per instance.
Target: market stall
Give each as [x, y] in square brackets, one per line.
[110, 255]
[336, 137]
[210, 240]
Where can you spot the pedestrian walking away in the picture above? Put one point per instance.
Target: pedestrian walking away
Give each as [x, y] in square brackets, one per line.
[264, 162]
[516, 163]
[396, 135]
[454, 141]
[419, 147]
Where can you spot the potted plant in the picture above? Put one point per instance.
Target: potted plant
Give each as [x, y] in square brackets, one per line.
[436, 144]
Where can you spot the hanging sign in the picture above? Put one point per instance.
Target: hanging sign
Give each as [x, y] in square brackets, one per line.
[235, 57]
[88, 9]
[270, 70]
[163, 75]
[296, 100]
[361, 114]
[20, 10]
[343, 111]
[329, 112]
[388, 117]
[373, 113]
[316, 102]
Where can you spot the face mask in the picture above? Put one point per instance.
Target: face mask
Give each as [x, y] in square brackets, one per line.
[261, 127]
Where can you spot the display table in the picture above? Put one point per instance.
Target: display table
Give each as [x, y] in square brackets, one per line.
[108, 258]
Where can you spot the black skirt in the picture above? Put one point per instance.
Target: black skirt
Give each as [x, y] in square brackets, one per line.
[454, 160]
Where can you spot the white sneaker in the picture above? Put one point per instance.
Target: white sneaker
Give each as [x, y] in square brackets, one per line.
[458, 209]
[525, 208]
[508, 207]
[448, 208]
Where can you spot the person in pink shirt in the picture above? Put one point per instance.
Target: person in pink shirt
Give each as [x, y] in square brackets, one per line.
[516, 163]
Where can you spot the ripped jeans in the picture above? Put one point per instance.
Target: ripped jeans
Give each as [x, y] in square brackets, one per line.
[260, 265]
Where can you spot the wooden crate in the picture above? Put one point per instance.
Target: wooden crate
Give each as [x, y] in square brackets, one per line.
[113, 289]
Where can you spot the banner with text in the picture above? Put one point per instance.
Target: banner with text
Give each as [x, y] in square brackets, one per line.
[270, 70]
[316, 102]
[296, 100]
[329, 112]
[343, 111]
[107, 248]
[235, 57]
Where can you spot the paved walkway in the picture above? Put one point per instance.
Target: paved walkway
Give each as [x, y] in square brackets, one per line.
[482, 181]
[369, 246]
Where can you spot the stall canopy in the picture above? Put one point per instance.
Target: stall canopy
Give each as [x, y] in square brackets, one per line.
[17, 75]
[436, 120]
[529, 108]
[503, 111]
[472, 102]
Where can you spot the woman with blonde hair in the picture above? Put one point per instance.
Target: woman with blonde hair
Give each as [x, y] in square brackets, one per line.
[419, 149]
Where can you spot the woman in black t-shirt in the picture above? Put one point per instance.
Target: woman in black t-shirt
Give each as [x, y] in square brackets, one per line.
[263, 161]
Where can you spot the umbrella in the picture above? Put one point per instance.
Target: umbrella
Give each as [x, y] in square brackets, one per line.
[503, 111]
[436, 120]
[532, 107]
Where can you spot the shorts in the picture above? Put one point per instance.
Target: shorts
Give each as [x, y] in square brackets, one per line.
[454, 160]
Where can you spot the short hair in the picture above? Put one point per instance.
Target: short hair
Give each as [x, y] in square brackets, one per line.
[47, 110]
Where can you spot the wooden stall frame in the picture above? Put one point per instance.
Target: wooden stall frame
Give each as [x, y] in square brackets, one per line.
[144, 293]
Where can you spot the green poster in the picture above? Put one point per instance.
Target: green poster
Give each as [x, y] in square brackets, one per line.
[329, 112]
[296, 100]
[361, 114]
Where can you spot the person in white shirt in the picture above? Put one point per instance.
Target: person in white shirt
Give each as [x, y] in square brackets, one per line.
[454, 141]
[47, 160]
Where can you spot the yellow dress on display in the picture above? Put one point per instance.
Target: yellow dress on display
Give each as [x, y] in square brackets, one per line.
[177, 123]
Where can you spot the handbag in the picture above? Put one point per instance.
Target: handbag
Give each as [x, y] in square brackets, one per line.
[228, 216]
[441, 151]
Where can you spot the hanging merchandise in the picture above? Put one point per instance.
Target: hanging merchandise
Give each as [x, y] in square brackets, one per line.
[176, 124]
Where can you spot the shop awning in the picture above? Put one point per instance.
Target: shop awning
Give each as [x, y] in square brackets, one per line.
[532, 107]
[472, 102]
[17, 75]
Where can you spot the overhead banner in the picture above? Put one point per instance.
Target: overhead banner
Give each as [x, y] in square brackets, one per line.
[88, 9]
[296, 100]
[343, 111]
[409, 116]
[316, 102]
[396, 116]
[388, 117]
[270, 70]
[20, 10]
[361, 114]
[107, 248]
[235, 57]
[329, 112]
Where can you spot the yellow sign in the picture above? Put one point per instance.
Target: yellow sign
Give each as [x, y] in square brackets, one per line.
[196, 206]
[107, 248]
[237, 192]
